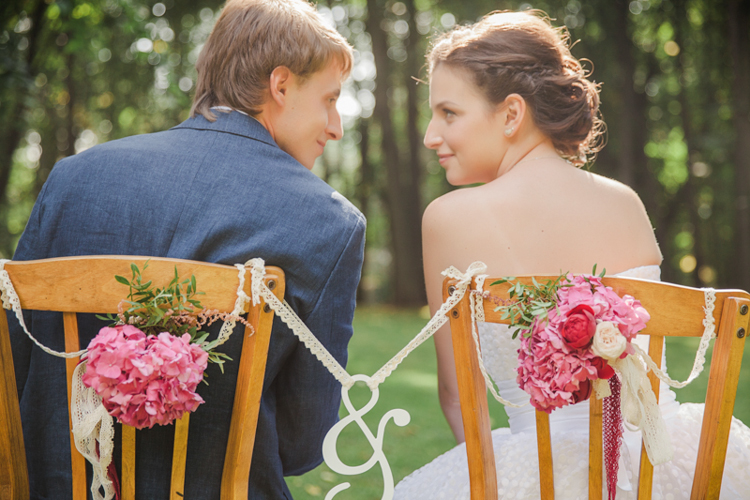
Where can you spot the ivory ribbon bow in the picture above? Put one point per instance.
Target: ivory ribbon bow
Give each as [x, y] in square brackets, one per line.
[641, 410]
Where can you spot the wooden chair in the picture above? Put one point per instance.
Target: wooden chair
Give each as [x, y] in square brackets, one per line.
[92, 279]
[675, 311]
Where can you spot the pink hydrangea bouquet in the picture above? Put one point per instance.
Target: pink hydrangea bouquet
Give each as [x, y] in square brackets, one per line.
[569, 343]
[147, 365]
[145, 379]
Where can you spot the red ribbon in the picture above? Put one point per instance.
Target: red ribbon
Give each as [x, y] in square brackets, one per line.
[112, 475]
[612, 430]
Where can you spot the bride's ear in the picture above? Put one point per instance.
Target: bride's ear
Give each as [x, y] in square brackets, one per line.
[515, 112]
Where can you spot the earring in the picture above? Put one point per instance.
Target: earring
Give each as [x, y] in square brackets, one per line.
[508, 131]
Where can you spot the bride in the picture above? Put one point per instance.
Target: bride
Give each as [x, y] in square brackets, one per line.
[513, 111]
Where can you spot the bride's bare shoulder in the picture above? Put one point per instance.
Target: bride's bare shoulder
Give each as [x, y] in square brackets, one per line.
[613, 190]
[451, 206]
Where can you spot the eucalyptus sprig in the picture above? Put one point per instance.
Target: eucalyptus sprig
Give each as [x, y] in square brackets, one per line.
[173, 309]
[531, 302]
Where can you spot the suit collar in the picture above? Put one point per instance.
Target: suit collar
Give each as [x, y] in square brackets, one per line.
[231, 123]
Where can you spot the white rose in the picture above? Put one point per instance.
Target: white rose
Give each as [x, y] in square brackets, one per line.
[608, 343]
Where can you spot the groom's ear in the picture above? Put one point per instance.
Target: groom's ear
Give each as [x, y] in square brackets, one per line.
[279, 83]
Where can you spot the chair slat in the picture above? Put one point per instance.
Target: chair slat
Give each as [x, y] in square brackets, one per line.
[720, 396]
[179, 458]
[14, 481]
[474, 411]
[90, 285]
[595, 447]
[78, 463]
[544, 449]
[646, 469]
[127, 481]
[247, 396]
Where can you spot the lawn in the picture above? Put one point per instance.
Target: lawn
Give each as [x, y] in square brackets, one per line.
[379, 333]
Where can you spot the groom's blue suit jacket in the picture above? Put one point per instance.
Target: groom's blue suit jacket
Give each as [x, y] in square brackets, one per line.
[216, 192]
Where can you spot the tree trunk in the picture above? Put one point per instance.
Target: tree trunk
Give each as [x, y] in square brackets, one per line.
[363, 191]
[408, 283]
[739, 43]
[15, 125]
[687, 197]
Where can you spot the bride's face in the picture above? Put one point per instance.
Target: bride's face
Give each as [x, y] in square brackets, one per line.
[465, 129]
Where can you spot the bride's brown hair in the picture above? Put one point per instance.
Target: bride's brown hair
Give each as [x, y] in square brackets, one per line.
[522, 53]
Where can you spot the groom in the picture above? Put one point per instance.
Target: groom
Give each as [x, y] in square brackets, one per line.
[231, 183]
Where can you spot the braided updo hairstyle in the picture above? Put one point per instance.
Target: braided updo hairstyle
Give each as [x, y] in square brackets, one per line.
[522, 53]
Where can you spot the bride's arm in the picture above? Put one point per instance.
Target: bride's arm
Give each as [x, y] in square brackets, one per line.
[440, 252]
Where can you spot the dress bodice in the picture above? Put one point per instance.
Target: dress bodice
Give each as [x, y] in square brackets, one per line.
[500, 356]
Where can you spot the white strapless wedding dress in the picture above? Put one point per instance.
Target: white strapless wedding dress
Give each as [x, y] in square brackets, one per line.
[447, 476]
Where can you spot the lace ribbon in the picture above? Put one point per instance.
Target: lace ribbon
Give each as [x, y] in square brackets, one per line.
[641, 411]
[709, 333]
[93, 433]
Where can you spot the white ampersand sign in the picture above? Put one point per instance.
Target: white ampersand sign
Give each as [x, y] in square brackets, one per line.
[331, 457]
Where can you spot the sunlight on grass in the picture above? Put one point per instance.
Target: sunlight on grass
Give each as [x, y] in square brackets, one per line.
[379, 333]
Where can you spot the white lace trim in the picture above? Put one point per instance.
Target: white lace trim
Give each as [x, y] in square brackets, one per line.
[709, 333]
[91, 425]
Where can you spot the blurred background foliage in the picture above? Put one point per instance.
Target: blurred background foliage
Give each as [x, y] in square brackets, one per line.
[675, 95]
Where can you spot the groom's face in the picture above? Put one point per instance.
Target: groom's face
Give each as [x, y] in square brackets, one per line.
[309, 118]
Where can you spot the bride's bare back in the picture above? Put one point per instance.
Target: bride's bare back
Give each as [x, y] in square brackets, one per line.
[541, 217]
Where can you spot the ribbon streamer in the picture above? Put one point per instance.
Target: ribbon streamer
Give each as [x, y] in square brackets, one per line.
[641, 411]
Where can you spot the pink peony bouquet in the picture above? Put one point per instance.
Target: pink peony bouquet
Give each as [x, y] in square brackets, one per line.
[145, 380]
[571, 340]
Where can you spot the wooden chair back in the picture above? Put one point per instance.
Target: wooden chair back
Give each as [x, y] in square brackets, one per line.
[87, 285]
[676, 311]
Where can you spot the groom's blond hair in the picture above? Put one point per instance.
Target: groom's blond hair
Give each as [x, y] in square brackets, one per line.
[254, 37]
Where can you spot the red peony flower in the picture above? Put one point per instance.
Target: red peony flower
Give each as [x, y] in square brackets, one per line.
[583, 392]
[602, 367]
[579, 327]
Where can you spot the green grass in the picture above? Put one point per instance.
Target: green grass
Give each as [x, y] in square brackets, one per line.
[379, 333]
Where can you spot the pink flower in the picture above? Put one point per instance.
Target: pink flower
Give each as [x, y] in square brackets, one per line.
[145, 380]
[556, 363]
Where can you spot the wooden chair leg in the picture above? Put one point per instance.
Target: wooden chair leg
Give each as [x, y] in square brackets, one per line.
[127, 481]
[14, 477]
[720, 396]
[646, 470]
[544, 448]
[179, 458]
[595, 448]
[474, 411]
[78, 463]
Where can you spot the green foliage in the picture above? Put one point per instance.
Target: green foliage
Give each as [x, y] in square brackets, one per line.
[529, 303]
[173, 309]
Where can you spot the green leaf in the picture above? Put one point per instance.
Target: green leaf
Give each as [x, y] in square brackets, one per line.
[123, 280]
[604, 271]
[593, 271]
